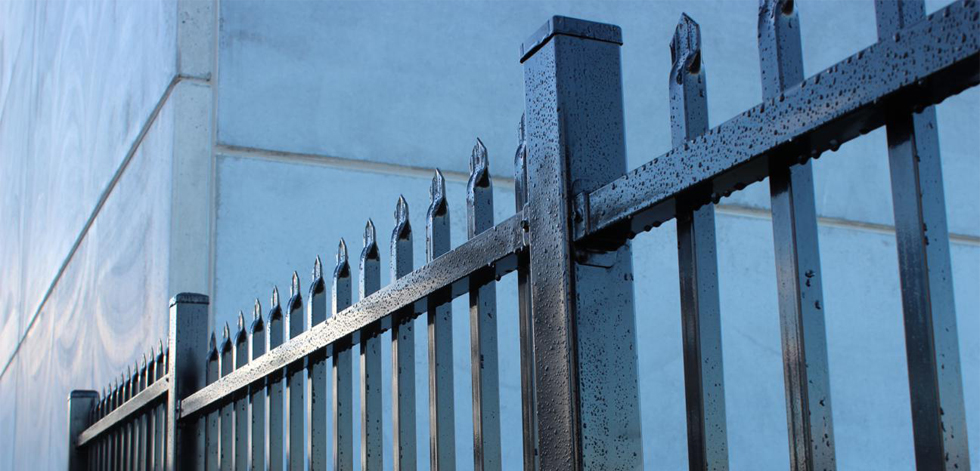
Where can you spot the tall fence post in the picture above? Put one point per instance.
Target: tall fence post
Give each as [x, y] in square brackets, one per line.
[581, 295]
[80, 406]
[188, 349]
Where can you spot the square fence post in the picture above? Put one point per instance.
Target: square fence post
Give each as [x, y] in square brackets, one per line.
[583, 320]
[80, 405]
[188, 349]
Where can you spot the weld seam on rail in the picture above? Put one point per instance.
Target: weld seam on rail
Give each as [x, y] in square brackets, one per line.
[495, 244]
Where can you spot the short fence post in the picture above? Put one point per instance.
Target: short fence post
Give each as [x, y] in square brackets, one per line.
[584, 325]
[188, 348]
[80, 405]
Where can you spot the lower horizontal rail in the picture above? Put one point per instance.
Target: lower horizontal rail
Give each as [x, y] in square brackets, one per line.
[495, 250]
[919, 66]
[127, 410]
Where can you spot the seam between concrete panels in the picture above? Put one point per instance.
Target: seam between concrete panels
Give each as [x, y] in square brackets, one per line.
[144, 130]
[507, 183]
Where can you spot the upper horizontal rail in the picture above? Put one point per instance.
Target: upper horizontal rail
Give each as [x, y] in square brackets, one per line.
[495, 249]
[919, 66]
[142, 399]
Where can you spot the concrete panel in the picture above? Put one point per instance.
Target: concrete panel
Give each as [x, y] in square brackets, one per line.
[109, 307]
[412, 82]
[84, 79]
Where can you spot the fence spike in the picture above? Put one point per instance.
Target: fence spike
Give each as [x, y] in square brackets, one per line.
[242, 335]
[479, 166]
[685, 48]
[225, 338]
[437, 197]
[256, 317]
[294, 286]
[370, 250]
[402, 227]
[343, 266]
[275, 296]
[317, 269]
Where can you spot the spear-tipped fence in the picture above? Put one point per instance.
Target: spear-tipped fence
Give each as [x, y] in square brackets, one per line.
[257, 398]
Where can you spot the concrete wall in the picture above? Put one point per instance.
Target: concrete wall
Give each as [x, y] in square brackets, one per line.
[359, 101]
[151, 147]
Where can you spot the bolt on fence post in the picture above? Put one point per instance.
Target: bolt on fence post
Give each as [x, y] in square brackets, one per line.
[188, 346]
[704, 378]
[932, 343]
[80, 405]
[584, 325]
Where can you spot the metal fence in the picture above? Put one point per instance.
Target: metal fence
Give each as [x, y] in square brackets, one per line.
[255, 399]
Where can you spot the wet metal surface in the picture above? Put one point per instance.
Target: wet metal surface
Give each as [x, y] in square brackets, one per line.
[932, 344]
[820, 114]
[704, 378]
[582, 299]
[806, 372]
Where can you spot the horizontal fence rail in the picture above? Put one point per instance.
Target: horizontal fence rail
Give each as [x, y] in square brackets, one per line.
[834, 106]
[260, 395]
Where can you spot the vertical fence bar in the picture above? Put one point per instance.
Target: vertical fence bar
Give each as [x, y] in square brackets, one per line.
[126, 450]
[139, 434]
[159, 417]
[80, 408]
[296, 382]
[317, 307]
[342, 376]
[144, 455]
[582, 295]
[704, 379]
[213, 417]
[483, 322]
[151, 428]
[258, 397]
[442, 436]
[241, 400]
[528, 409]
[402, 348]
[117, 444]
[188, 345]
[227, 441]
[794, 222]
[277, 417]
[369, 281]
[932, 343]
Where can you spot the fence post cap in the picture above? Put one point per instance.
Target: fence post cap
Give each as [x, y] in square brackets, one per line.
[82, 393]
[570, 27]
[189, 298]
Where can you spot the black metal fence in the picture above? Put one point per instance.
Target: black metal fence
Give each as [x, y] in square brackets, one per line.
[255, 399]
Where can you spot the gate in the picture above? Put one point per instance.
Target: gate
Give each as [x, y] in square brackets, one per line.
[254, 399]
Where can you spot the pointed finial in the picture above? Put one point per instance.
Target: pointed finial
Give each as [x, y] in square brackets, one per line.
[479, 164]
[402, 226]
[343, 267]
[370, 249]
[370, 235]
[226, 333]
[256, 316]
[212, 348]
[275, 296]
[685, 47]
[437, 195]
[401, 210]
[143, 365]
[437, 191]
[294, 286]
[317, 269]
